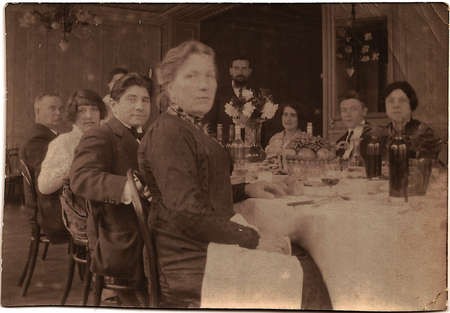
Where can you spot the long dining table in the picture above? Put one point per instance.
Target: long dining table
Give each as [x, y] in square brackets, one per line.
[375, 252]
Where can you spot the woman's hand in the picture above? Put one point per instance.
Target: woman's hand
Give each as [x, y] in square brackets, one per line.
[266, 190]
[275, 244]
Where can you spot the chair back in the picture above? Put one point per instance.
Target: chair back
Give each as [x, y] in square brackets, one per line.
[74, 213]
[148, 237]
[12, 163]
[28, 185]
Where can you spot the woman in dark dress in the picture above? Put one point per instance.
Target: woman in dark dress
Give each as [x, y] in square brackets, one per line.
[188, 174]
[401, 101]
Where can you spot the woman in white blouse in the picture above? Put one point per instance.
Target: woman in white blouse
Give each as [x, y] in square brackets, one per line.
[290, 121]
[85, 109]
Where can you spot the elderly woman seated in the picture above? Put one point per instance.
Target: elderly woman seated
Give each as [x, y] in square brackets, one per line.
[290, 120]
[188, 174]
[401, 101]
[85, 110]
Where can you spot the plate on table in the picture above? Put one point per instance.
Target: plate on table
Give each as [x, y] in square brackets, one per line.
[313, 183]
[296, 201]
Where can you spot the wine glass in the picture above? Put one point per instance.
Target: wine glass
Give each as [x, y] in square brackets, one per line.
[332, 174]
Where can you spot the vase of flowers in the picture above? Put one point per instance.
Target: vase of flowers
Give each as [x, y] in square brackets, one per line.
[250, 111]
[255, 152]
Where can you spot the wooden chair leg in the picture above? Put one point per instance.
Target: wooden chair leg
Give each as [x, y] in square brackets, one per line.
[27, 264]
[81, 270]
[69, 280]
[99, 283]
[87, 281]
[44, 253]
[30, 271]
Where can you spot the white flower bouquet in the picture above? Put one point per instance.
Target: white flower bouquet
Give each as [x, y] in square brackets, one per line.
[251, 107]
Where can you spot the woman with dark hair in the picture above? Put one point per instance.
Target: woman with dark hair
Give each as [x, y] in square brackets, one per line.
[85, 109]
[401, 101]
[290, 120]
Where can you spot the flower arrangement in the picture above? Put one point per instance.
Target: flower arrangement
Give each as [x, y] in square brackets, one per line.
[250, 107]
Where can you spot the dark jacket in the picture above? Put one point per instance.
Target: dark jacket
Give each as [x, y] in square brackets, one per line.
[365, 137]
[217, 113]
[419, 137]
[98, 173]
[189, 176]
[46, 211]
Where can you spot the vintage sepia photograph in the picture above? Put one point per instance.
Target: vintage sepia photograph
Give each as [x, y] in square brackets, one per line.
[284, 156]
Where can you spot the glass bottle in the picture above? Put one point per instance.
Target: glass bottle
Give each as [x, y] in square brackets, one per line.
[356, 159]
[398, 167]
[373, 158]
[230, 137]
[309, 129]
[220, 133]
[237, 148]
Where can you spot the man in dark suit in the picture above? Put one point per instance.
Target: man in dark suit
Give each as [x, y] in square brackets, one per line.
[240, 71]
[353, 113]
[47, 211]
[98, 174]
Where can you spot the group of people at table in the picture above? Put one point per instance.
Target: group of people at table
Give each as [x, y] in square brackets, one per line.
[187, 173]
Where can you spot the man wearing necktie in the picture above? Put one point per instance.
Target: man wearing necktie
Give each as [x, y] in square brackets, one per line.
[240, 71]
[353, 112]
[98, 174]
[47, 209]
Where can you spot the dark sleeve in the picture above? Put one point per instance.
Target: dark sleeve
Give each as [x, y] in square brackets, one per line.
[239, 193]
[34, 153]
[90, 174]
[171, 156]
[425, 143]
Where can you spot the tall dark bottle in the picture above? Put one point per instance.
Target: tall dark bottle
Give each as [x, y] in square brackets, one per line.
[230, 138]
[373, 158]
[398, 167]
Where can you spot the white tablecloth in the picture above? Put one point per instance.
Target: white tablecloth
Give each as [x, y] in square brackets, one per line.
[374, 252]
[236, 278]
[250, 279]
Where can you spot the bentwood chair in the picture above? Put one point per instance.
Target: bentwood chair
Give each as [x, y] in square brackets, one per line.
[13, 178]
[101, 282]
[37, 237]
[147, 234]
[74, 214]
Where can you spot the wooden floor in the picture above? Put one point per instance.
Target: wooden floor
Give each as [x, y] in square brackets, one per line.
[50, 274]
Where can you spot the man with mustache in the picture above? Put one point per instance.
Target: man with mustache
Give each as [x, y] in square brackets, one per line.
[240, 71]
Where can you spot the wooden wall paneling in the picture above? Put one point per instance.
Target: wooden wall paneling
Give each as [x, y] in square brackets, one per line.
[426, 65]
[185, 31]
[36, 63]
[11, 59]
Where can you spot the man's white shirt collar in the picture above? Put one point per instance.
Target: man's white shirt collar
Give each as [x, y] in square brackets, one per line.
[138, 129]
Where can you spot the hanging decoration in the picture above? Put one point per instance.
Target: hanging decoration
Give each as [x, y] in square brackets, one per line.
[63, 17]
[355, 46]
